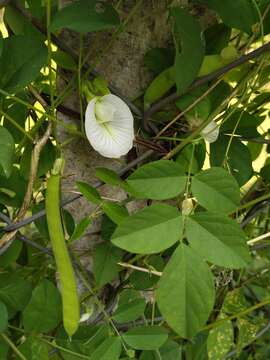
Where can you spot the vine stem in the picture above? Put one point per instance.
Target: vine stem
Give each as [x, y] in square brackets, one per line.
[139, 268]
[13, 346]
[237, 315]
[58, 347]
[258, 238]
[252, 202]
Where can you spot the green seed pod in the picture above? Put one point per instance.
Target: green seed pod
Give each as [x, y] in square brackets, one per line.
[70, 300]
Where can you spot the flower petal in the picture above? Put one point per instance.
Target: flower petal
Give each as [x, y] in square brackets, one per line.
[114, 138]
[210, 132]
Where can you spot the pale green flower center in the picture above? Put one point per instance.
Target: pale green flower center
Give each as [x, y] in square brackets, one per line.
[104, 112]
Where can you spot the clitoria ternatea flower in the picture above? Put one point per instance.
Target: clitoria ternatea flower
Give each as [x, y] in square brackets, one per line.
[109, 126]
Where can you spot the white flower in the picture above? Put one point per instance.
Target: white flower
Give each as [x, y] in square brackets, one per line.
[109, 126]
[210, 132]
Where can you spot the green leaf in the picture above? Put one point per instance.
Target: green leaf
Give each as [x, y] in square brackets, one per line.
[1, 44]
[255, 150]
[159, 59]
[146, 337]
[108, 176]
[64, 60]
[240, 14]
[130, 307]
[242, 123]
[19, 67]
[46, 161]
[7, 146]
[110, 349]
[107, 228]
[265, 173]
[234, 302]
[201, 110]
[3, 317]
[85, 16]
[184, 158]
[4, 349]
[106, 257]
[169, 351]
[197, 349]
[80, 229]
[186, 294]
[34, 349]
[266, 23]
[216, 190]
[147, 355]
[142, 281]
[37, 8]
[150, 230]
[89, 192]
[158, 180]
[161, 84]
[19, 113]
[44, 311]
[15, 292]
[239, 166]
[189, 48]
[220, 340]
[116, 212]
[247, 333]
[14, 183]
[42, 226]
[222, 91]
[217, 38]
[11, 254]
[84, 341]
[218, 239]
[17, 22]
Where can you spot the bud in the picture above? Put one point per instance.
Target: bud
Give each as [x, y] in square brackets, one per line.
[210, 132]
[187, 207]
